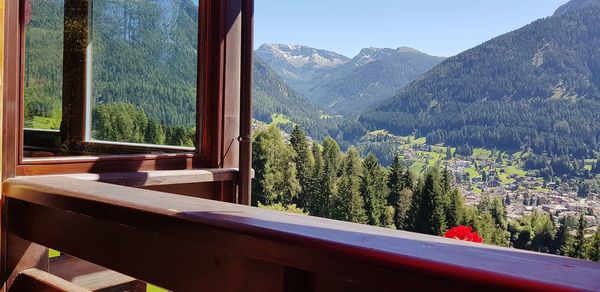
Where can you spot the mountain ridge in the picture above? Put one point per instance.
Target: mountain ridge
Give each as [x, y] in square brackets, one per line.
[540, 90]
[347, 85]
[574, 5]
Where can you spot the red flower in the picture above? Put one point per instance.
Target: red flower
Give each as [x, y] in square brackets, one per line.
[463, 233]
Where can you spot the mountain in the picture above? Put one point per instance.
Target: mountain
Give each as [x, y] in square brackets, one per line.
[537, 87]
[273, 96]
[298, 65]
[341, 85]
[368, 78]
[576, 5]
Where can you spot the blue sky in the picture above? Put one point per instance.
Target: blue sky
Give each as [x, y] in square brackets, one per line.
[437, 27]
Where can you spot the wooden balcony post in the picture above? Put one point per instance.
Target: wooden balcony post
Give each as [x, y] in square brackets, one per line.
[16, 254]
[246, 103]
[75, 77]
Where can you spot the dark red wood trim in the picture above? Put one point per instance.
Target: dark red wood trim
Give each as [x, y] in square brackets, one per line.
[11, 88]
[100, 164]
[210, 81]
[11, 247]
[232, 87]
[245, 164]
[210, 86]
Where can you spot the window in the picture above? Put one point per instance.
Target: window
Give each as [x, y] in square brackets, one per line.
[114, 73]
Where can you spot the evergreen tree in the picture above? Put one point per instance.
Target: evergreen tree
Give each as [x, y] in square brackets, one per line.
[347, 203]
[317, 195]
[290, 186]
[395, 184]
[562, 238]
[485, 203]
[577, 245]
[275, 177]
[400, 183]
[447, 179]
[402, 207]
[373, 188]
[455, 211]
[155, 133]
[388, 219]
[449, 153]
[594, 247]
[498, 213]
[543, 231]
[427, 207]
[331, 159]
[304, 163]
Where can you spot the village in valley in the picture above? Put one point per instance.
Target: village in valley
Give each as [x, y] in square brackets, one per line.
[501, 174]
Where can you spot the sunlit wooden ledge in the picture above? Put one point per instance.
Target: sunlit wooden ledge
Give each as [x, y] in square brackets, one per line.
[38, 280]
[156, 177]
[186, 244]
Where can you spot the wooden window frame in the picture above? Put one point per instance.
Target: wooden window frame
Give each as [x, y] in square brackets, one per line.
[217, 104]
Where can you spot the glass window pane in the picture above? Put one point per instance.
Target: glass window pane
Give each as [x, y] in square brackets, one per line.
[140, 68]
[144, 71]
[43, 64]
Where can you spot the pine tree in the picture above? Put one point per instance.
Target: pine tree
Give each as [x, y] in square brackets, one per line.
[485, 203]
[317, 195]
[449, 153]
[402, 206]
[373, 188]
[331, 159]
[455, 212]
[275, 177]
[577, 245]
[543, 231]
[388, 218]
[562, 238]
[290, 186]
[594, 247]
[395, 185]
[304, 163]
[498, 213]
[347, 203]
[427, 207]
[154, 133]
[400, 184]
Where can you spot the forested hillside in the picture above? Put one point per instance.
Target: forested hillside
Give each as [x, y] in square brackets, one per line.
[537, 87]
[273, 96]
[319, 179]
[576, 5]
[368, 78]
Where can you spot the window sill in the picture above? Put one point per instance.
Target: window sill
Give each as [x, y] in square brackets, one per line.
[155, 178]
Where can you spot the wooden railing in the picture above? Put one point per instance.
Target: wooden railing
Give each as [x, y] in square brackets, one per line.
[191, 244]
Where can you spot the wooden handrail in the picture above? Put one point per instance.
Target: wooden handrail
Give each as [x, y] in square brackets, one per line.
[185, 243]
